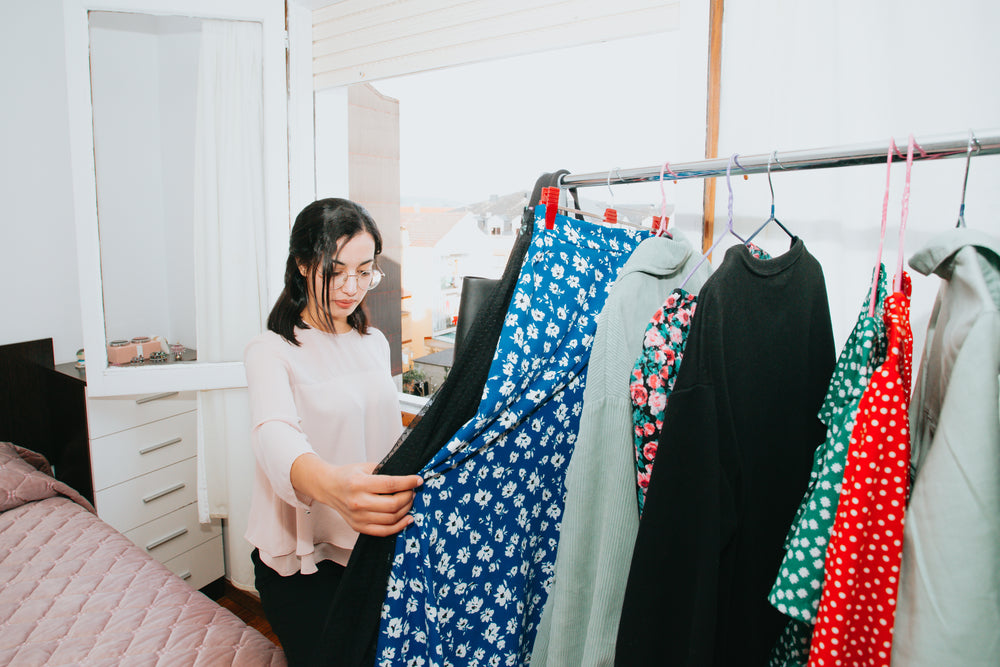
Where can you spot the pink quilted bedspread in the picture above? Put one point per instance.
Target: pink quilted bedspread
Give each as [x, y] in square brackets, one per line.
[73, 591]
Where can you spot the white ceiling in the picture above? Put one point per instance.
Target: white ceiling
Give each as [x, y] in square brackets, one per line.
[315, 4]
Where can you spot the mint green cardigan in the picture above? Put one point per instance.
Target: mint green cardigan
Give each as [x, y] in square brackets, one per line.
[948, 612]
[579, 624]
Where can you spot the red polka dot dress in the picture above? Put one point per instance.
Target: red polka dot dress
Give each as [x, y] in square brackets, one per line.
[858, 605]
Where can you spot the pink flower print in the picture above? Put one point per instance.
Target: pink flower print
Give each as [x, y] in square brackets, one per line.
[643, 478]
[654, 381]
[649, 451]
[657, 402]
[675, 335]
[658, 316]
[653, 338]
[671, 355]
[659, 358]
[648, 428]
[639, 395]
[671, 300]
[637, 373]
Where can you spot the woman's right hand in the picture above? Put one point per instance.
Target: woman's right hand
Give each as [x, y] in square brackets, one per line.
[377, 505]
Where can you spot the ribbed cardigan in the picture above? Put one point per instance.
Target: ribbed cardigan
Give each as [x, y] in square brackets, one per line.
[601, 520]
[948, 612]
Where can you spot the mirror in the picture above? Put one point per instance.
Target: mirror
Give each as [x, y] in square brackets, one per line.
[144, 88]
[179, 146]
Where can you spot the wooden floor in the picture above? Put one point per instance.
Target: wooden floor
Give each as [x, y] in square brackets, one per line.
[247, 607]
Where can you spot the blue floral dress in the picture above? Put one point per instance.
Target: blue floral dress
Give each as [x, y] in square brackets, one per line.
[471, 575]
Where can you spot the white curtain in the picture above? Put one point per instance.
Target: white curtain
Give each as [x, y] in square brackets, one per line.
[231, 294]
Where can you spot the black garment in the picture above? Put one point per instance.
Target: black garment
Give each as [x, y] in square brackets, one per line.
[732, 463]
[351, 631]
[296, 606]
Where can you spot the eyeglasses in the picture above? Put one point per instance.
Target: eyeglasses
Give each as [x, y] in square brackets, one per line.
[365, 280]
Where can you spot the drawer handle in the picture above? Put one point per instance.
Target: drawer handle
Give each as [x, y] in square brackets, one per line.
[155, 397]
[159, 494]
[153, 448]
[166, 538]
[186, 574]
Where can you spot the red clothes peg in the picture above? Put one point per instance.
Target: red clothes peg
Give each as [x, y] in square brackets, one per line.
[550, 198]
[656, 223]
[610, 215]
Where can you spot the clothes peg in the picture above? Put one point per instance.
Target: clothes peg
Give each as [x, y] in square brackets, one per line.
[550, 198]
[610, 216]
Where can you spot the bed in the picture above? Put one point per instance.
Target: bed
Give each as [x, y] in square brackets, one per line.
[73, 590]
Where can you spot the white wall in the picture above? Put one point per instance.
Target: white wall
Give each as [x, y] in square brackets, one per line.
[807, 75]
[38, 268]
[331, 144]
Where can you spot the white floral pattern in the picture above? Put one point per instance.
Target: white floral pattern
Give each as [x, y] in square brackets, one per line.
[471, 575]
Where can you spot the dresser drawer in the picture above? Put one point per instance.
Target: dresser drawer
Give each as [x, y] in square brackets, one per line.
[200, 566]
[121, 456]
[174, 533]
[110, 415]
[142, 499]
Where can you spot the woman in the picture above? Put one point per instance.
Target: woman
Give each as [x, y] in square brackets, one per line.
[324, 409]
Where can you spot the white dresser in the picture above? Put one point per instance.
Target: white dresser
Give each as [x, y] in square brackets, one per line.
[143, 452]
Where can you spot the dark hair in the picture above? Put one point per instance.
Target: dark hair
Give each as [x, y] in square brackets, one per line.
[318, 229]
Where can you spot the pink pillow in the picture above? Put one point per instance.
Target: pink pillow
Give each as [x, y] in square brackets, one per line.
[23, 482]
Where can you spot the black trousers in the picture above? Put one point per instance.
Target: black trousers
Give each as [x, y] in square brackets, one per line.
[296, 606]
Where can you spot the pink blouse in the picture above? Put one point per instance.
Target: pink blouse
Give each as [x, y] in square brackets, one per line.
[333, 396]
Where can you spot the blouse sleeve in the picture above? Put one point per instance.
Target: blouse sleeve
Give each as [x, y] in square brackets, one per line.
[276, 435]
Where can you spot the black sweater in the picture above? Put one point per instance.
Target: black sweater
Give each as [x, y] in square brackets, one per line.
[732, 463]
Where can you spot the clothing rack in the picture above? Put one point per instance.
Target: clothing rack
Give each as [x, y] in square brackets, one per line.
[985, 142]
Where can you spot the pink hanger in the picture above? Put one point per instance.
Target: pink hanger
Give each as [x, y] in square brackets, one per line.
[897, 285]
[661, 228]
[881, 238]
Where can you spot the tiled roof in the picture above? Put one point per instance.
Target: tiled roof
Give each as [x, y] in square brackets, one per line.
[426, 225]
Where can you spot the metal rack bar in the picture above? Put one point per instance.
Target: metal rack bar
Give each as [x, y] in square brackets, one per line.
[987, 142]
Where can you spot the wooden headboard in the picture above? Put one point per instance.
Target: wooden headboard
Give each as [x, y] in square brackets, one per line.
[45, 410]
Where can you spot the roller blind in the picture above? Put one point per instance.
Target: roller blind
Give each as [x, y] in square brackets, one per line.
[365, 40]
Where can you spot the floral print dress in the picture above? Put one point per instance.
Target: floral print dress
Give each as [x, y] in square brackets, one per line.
[799, 584]
[471, 575]
[653, 378]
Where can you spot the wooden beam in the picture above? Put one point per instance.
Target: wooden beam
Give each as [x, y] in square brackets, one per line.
[712, 119]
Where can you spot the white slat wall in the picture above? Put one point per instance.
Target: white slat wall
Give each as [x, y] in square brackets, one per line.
[366, 40]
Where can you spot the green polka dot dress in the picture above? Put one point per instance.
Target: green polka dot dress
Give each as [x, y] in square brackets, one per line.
[799, 585]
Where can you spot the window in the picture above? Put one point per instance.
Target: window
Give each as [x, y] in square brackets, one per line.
[474, 138]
